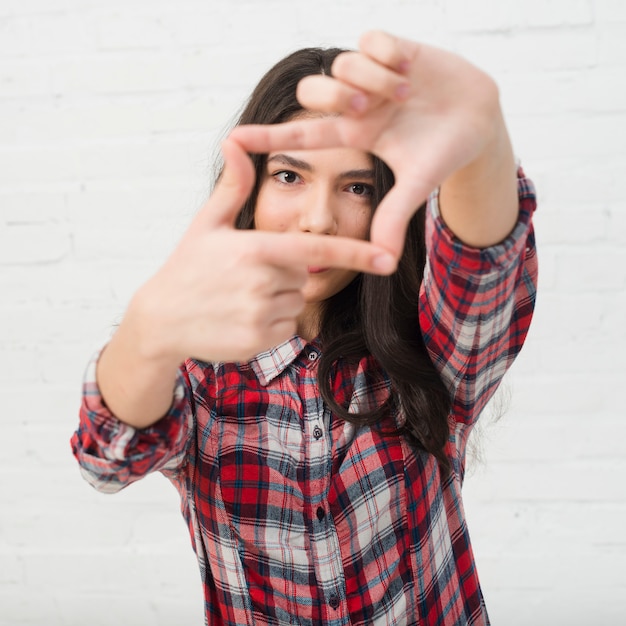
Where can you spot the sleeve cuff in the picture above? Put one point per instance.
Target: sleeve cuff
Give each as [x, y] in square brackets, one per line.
[450, 251]
[117, 437]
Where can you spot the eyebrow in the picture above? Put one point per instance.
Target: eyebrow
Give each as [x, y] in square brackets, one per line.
[285, 159]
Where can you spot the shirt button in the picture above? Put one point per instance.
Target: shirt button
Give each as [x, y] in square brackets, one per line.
[333, 600]
[317, 432]
[321, 514]
[312, 355]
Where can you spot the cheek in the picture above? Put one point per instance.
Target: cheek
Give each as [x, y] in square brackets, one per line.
[269, 214]
[271, 222]
[359, 226]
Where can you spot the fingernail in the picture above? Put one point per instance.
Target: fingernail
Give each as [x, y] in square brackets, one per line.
[404, 67]
[359, 102]
[384, 263]
[402, 91]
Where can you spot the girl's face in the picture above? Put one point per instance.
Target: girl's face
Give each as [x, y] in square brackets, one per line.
[325, 192]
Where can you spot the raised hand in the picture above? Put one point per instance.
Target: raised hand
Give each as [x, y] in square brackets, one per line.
[428, 114]
[227, 294]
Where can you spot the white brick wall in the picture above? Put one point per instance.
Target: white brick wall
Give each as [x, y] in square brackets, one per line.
[109, 113]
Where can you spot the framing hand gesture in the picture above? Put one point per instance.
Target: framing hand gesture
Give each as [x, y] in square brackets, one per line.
[428, 114]
[248, 301]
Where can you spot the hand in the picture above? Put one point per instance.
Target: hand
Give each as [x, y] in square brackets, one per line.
[426, 112]
[227, 294]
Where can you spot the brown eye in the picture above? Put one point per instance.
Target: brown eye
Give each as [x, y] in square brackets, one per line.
[361, 189]
[286, 176]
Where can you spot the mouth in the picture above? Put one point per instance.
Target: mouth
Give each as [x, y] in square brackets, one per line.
[316, 270]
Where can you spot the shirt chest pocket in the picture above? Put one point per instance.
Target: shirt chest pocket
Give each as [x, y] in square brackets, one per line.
[261, 471]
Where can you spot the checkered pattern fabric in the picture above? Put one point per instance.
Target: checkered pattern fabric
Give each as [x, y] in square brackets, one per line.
[298, 517]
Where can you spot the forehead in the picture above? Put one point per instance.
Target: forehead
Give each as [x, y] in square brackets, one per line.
[332, 159]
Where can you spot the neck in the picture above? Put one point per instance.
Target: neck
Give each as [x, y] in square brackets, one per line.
[309, 322]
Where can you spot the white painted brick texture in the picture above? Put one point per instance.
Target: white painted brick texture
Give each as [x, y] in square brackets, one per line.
[109, 118]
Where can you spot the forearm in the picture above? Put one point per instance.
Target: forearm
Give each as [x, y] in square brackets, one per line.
[479, 202]
[476, 305]
[136, 383]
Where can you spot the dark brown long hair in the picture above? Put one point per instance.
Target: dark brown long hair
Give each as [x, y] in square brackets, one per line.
[375, 316]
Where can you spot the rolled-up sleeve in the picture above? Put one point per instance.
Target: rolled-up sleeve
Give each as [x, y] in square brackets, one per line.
[476, 304]
[112, 454]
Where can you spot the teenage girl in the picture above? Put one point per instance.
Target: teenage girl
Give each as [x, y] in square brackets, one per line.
[307, 365]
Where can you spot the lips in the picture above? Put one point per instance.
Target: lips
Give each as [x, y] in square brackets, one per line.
[316, 270]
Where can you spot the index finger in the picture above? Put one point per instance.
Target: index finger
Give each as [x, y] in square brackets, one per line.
[289, 249]
[307, 134]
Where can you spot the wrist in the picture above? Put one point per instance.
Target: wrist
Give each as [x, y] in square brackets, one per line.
[135, 377]
[146, 329]
[479, 202]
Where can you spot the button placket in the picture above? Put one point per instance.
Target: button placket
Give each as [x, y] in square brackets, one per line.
[323, 540]
[334, 601]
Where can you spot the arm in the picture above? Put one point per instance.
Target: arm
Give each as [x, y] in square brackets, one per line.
[113, 454]
[136, 381]
[223, 295]
[479, 202]
[476, 304]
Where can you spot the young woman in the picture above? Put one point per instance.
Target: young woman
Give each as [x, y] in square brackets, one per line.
[307, 365]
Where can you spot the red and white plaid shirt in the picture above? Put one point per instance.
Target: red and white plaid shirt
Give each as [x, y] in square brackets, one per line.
[298, 517]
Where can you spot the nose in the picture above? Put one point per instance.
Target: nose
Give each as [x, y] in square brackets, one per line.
[317, 214]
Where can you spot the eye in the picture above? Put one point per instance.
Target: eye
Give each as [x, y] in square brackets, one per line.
[287, 177]
[361, 189]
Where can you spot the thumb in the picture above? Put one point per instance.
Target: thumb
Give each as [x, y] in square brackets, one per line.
[232, 189]
[393, 214]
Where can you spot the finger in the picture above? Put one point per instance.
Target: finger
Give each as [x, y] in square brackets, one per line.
[391, 51]
[280, 331]
[297, 135]
[318, 92]
[232, 189]
[271, 280]
[286, 306]
[289, 279]
[389, 224]
[367, 74]
[290, 249]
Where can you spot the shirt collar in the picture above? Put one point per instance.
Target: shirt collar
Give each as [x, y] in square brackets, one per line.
[268, 365]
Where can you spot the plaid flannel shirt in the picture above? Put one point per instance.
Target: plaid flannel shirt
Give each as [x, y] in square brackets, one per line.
[298, 517]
